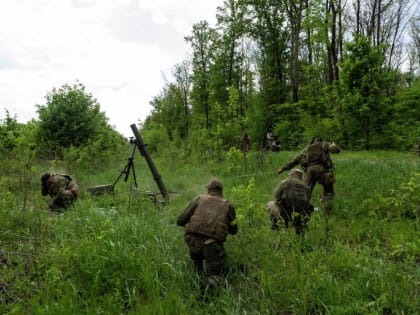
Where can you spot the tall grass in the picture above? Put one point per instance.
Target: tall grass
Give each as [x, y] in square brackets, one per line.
[124, 254]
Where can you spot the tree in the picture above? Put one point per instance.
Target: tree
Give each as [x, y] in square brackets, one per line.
[383, 22]
[294, 9]
[202, 40]
[169, 111]
[364, 83]
[267, 26]
[70, 117]
[226, 70]
[8, 132]
[181, 73]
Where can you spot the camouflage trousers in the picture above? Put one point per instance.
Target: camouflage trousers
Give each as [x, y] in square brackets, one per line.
[208, 256]
[62, 201]
[319, 174]
[285, 213]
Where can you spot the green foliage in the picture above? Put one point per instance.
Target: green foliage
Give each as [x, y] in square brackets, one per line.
[402, 200]
[70, 117]
[156, 137]
[245, 72]
[123, 253]
[364, 84]
[404, 128]
[234, 159]
[9, 132]
[288, 126]
[249, 212]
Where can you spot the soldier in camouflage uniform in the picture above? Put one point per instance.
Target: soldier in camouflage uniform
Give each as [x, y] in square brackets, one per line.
[315, 159]
[207, 220]
[245, 143]
[62, 189]
[292, 203]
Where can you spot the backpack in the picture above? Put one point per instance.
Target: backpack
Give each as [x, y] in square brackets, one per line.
[314, 152]
[318, 152]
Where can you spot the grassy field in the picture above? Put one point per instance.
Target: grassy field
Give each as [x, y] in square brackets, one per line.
[124, 254]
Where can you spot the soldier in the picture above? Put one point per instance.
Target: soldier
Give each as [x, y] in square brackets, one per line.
[292, 203]
[316, 161]
[272, 142]
[245, 143]
[62, 189]
[207, 220]
[275, 146]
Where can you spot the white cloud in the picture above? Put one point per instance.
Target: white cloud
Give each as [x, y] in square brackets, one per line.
[117, 49]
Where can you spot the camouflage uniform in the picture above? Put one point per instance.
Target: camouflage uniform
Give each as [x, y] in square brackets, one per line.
[62, 189]
[292, 199]
[207, 220]
[245, 143]
[316, 161]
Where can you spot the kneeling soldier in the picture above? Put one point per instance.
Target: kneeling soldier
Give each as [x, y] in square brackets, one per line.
[62, 189]
[293, 201]
[208, 219]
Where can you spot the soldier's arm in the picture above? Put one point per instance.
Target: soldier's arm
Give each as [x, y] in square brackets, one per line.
[232, 226]
[185, 216]
[294, 162]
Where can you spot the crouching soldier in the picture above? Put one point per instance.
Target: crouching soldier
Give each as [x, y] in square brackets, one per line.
[208, 219]
[293, 202]
[62, 189]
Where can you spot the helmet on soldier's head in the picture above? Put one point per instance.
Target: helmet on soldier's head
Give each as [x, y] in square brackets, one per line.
[315, 139]
[45, 177]
[215, 185]
[296, 173]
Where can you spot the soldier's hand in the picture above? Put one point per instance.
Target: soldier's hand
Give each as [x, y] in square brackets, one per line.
[279, 171]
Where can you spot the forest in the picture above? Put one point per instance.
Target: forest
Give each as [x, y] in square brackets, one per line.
[346, 71]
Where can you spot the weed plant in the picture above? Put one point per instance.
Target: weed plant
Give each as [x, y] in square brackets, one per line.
[124, 254]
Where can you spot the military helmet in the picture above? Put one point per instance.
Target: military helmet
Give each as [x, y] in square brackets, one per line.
[215, 184]
[315, 139]
[45, 177]
[296, 173]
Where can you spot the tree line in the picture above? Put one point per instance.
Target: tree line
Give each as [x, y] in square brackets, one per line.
[346, 70]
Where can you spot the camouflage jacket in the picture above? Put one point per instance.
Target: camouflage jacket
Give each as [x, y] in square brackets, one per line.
[305, 158]
[293, 193]
[209, 215]
[60, 185]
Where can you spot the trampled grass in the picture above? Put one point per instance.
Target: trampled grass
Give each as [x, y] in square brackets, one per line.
[124, 254]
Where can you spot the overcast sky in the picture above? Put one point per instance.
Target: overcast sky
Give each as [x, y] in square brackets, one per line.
[118, 49]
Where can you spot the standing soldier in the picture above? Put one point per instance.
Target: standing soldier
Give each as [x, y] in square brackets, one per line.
[315, 159]
[245, 143]
[292, 202]
[207, 220]
[62, 189]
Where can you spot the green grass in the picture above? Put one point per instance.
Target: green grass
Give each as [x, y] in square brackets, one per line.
[124, 254]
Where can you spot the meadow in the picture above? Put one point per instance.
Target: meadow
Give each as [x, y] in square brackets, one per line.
[124, 254]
